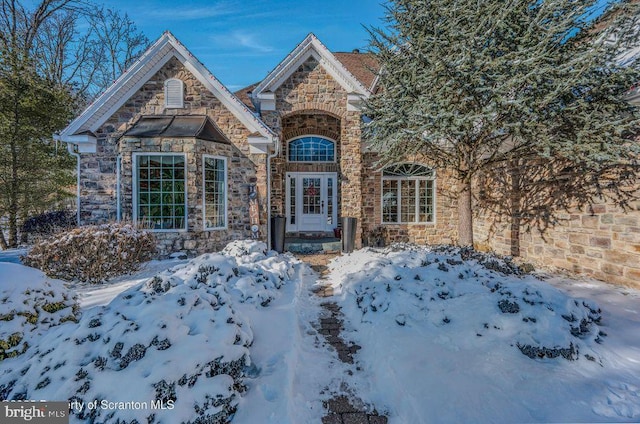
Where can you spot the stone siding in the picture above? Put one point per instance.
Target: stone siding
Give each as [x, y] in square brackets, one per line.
[603, 242]
[296, 125]
[239, 176]
[311, 102]
[98, 184]
[352, 171]
[443, 231]
[98, 171]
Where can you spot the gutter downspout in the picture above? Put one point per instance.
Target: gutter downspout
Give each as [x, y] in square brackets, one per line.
[77, 156]
[275, 153]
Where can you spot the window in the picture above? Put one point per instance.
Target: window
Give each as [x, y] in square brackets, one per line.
[408, 194]
[160, 200]
[312, 149]
[292, 199]
[173, 93]
[214, 179]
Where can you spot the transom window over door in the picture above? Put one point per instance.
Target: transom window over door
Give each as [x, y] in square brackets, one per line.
[408, 194]
[312, 149]
[160, 200]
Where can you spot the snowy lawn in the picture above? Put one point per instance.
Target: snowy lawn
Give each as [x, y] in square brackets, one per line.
[447, 339]
[446, 336]
[12, 255]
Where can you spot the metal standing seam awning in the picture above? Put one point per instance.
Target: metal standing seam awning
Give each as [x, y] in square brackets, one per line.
[176, 126]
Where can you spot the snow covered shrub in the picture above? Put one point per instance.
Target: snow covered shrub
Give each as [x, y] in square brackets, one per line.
[447, 290]
[182, 338]
[48, 223]
[30, 304]
[242, 248]
[376, 237]
[93, 253]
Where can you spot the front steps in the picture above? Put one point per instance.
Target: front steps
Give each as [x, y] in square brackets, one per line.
[308, 245]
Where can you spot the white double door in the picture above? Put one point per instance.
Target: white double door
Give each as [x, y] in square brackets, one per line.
[311, 201]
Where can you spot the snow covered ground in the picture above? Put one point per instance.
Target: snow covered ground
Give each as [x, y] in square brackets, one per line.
[446, 336]
[443, 340]
[12, 255]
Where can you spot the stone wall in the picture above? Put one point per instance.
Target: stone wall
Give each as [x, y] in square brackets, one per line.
[98, 184]
[195, 240]
[295, 125]
[352, 171]
[603, 242]
[310, 101]
[443, 231]
[311, 88]
[98, 171]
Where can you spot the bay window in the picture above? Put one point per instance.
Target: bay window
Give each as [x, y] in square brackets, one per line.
[159, 191]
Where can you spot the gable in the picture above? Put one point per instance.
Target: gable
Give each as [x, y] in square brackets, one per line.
[310, 84]
[167, 47]
[309, 48]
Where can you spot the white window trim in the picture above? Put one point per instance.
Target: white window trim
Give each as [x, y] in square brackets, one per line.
[176, 104]
[136, 194]
[335, 148]
[399, 191]
[226, 195]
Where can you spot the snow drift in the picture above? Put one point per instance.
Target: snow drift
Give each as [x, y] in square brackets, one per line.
[170, 350]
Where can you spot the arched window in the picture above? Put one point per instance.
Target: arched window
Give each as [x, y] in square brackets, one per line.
[408, 194]
[174, 93]
[312, 149]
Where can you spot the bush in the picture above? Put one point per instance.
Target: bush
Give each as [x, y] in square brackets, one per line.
[92, 253]
[30, 304]
[49, 223]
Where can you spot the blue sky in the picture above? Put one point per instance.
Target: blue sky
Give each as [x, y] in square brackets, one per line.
[241, 41]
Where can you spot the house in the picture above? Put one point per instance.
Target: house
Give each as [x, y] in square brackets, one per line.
[601, 240]
[171, 148]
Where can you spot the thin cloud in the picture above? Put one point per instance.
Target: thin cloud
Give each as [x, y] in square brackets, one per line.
[249, 41]
[242, 39]
[183, 13]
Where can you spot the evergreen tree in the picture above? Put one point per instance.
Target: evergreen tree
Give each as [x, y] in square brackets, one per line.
[479, 86]
[34, 174]
[48, 69]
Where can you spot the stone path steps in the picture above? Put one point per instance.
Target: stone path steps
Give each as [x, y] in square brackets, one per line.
[330, 328]
[340, 409]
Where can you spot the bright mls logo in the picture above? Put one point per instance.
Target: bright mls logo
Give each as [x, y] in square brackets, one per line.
[34, 412]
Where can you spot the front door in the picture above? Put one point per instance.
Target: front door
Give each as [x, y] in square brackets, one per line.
[311, 201]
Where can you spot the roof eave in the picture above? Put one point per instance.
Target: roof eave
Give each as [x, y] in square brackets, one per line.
[235, 105]
[86, 142]
[634, 99]
[302, 52]
[259, 144]
[93, 108]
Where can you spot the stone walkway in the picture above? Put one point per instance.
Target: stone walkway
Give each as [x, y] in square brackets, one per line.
[341, 409]
[330, 327]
